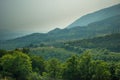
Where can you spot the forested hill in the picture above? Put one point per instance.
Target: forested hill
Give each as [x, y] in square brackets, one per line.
[96, 16]
[100, 28]
[110, 42]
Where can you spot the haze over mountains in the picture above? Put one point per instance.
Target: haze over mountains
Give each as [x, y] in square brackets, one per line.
[96, 16]
[88, 46]
[100, 23]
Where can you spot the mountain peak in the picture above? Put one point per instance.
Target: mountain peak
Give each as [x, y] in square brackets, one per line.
[54, 30]
[96, 16]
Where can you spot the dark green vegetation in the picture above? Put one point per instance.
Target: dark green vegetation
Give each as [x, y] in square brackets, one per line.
[16, 65]
[63, 50]
[51, 52]
[110, 42]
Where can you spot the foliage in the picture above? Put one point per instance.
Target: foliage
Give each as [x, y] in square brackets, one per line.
[17, 65]
[3, 52]
[110, 42]
[51, 52]
[53, 68]
[38, 64]
[70, 71]
[90, 65]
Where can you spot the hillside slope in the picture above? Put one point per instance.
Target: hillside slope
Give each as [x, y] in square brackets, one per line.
[110, 42]
[96, 16]
[100, 28]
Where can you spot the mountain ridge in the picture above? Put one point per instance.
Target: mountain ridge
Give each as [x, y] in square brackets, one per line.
[106, 26]
[96, 16]
[100, 28]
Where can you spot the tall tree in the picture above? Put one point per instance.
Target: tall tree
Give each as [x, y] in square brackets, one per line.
[53, 68]
[70, 71]
[17, 65]
[38, 64]
[100, 70]
[85, 66]
[118, 71]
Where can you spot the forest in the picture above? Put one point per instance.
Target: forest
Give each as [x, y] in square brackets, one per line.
[19, 65]
[63, 61]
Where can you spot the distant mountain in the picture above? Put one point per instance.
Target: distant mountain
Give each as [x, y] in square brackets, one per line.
[96, 16]
[104, 27]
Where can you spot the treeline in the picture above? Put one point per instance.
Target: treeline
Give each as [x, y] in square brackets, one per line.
[16, 65]
[51, 52]
[110, 42]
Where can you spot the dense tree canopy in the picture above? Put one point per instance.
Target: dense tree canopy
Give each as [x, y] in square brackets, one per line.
[15, 65]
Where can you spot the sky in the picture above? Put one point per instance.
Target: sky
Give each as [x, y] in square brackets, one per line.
[21, 17]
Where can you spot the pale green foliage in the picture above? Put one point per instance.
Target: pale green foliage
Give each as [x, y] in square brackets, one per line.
[34, 76]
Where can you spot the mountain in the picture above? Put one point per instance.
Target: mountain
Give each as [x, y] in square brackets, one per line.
[104, 27]
[100, 28]
[96, 16]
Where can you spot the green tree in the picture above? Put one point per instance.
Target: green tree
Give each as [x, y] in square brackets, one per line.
[70, 71]
[85, 66]
[118, 72]
[38, 64]
[3, 52]
[6, 65]
[26, 50]
[17, 65]
[93, 70]
[100, 70]
[112, 69]
[53, 68]
[35, 76]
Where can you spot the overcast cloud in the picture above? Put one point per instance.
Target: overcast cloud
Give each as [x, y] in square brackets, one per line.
[18, 17]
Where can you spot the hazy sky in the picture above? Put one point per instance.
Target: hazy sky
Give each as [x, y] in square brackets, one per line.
[18, 17]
